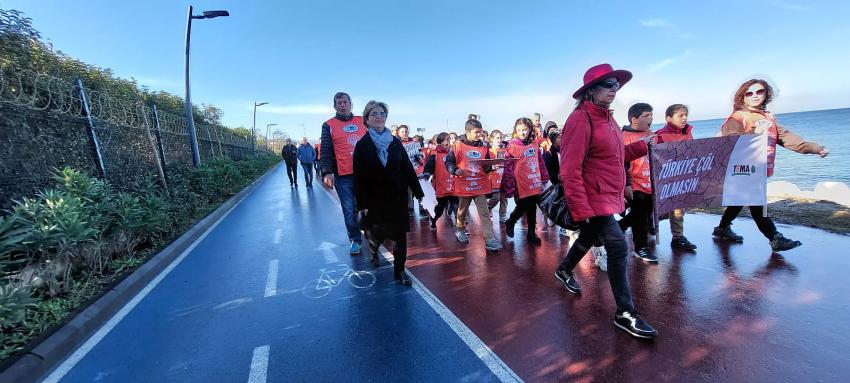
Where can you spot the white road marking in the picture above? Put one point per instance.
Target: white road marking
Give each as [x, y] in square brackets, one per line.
[271, 281]
[81, 352]
[278, 234]
[327, 251]
[259, 365]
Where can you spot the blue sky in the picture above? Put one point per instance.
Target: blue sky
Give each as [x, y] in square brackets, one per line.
[434, 62]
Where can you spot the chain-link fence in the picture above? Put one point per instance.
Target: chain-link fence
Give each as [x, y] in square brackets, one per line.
[44, 126]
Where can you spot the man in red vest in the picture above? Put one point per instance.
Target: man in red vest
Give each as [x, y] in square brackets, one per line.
[339, 136]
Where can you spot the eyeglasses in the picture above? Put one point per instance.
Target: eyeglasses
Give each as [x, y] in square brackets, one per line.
[377, 114]
[610, 84]
[759, 92]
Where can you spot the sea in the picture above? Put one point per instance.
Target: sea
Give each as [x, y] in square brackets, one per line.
[830, 128]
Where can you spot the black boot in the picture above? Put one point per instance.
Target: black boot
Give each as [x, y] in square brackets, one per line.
[403, 279]
[780, 243]
[509, 228]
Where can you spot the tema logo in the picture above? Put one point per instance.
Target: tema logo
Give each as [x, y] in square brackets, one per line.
[743, 170]
[528, 152]
[473, 154]
[349, 128]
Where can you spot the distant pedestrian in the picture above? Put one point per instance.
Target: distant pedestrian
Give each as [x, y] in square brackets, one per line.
[382, 176]
[339, 136]
[307, 156]
[290, 158]
[750, 116]
[496, 197]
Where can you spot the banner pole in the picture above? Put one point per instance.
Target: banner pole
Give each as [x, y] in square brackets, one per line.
[654, 194]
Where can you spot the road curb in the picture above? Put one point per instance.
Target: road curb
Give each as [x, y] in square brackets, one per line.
[53, 350]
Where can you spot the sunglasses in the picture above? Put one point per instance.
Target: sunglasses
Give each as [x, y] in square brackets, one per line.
[610, 84]
[759, 92]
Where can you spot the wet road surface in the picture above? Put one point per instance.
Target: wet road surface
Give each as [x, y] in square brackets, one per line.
[251, 303]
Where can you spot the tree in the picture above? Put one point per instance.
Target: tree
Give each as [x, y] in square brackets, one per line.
[242, 131]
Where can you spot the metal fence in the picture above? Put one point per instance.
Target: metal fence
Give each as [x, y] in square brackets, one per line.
[44, 125]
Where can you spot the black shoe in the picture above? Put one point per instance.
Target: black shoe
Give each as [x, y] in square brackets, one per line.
[534, 239]
[374, 258]
[569, 281]
[296, 185]
[403, 279]
[780, 243]
[310, 185]
[682, 243]
[644, 254]
[509, 228]
[726, 233]
[631, 323]
[433, 223]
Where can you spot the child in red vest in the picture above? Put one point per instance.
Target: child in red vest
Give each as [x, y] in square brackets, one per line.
[524, 177]
[496, 197]
[443, 182]
[472, 182]
[677, 129]
[638, 185]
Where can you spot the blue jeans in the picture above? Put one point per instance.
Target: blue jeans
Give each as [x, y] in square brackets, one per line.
[606, 229]
[345, 190]
[308, 173]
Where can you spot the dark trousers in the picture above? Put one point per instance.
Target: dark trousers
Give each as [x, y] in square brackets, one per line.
[639, 218]
[764, 224]
[308, 173]
[606, 229]
[399, 248]
[292, 173]
[527, 206]
[445, 204]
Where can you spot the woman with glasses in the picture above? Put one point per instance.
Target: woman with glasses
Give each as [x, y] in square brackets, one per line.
[591, 173]
[382, 176]
[750, 116]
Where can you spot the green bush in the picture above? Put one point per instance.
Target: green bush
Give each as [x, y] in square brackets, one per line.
[58, 248]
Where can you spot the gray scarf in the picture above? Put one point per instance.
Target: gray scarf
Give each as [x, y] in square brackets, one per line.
[382, 142]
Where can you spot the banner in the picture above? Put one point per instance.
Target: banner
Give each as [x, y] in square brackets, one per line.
[709, 172]
[429, 201]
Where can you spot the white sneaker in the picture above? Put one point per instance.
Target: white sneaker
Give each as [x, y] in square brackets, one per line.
[600, 257]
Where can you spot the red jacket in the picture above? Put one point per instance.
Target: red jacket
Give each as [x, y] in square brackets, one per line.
[593, 177]
[671, 133]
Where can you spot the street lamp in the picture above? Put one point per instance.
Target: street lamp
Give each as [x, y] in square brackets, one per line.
[254, 126]
[267, 134]
[190, 120]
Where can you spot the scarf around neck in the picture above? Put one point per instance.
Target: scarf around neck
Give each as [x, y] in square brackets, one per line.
[382, 142]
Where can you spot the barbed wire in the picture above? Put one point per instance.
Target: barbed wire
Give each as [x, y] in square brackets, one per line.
[40, 91]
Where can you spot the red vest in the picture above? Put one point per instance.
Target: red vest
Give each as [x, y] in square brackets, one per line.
[758, 123]
[345, 135]
[639, 168]
[443, 181]
[496, 175]
[527, 169]
[475, 182]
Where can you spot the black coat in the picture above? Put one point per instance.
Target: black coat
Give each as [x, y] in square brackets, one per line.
[290, 154]
[383, 190]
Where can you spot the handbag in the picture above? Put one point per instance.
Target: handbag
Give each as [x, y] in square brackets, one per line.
[552, 202]
[554, 207]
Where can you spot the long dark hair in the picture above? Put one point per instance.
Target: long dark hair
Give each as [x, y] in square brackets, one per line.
[738, 101]
[527, 122]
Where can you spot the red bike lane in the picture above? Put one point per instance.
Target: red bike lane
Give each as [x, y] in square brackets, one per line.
[728, 312]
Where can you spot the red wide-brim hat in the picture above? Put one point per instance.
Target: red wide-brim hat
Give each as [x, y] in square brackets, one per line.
[599, 73]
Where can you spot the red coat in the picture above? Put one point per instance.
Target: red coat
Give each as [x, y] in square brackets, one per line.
[672, 133]
[593, 177]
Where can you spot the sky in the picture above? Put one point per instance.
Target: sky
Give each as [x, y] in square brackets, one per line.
[434, 62]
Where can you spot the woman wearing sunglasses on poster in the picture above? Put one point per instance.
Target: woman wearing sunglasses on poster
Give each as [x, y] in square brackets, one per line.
[592, 176]
[749, 116]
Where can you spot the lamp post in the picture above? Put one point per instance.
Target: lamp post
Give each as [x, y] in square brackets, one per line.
[190, 120]
[254, 126]
[267, 134]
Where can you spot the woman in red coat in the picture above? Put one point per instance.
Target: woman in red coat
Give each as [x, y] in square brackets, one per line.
[592, 158]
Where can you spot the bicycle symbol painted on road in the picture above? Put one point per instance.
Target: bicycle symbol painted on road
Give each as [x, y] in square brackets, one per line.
[329, 279]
